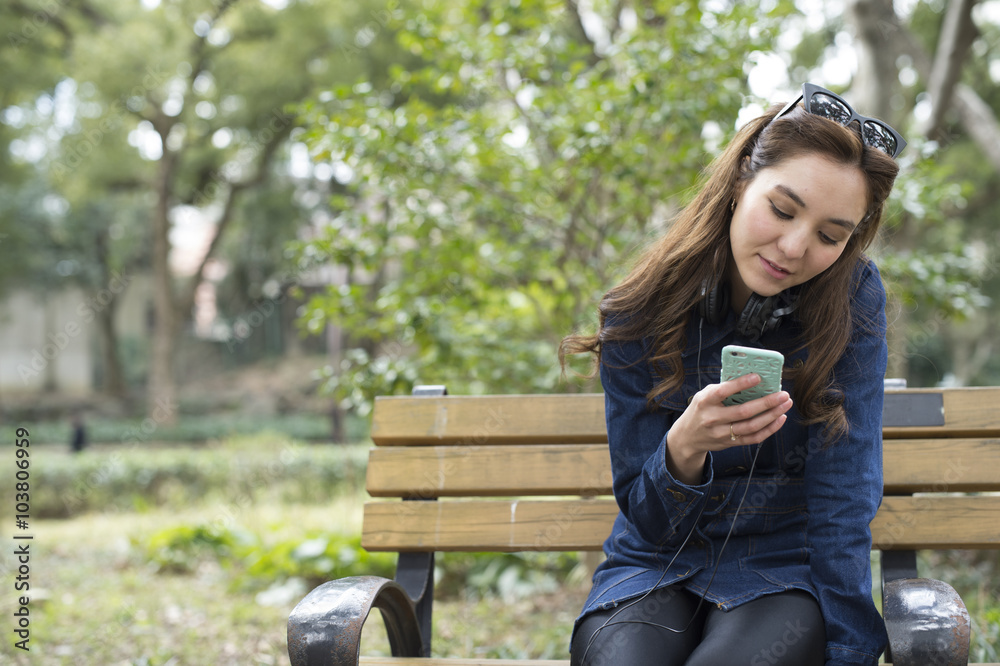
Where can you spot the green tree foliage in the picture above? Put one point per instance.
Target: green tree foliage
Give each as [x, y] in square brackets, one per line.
[119, 119]
[494, 193]
[29, 52]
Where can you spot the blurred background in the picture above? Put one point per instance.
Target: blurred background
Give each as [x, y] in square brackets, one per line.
[225, 226]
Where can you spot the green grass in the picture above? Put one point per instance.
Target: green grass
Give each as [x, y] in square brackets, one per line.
[100, 600]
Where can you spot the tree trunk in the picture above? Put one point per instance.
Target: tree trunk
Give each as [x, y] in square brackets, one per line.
[161, 397]
[877, 77]
[979, 121]
[112, 286]
[114, 376]
[335, 347]
[49, 378]
[956, 39]
[173, 309]
[900, 318]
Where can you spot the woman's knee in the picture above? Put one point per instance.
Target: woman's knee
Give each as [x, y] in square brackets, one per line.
[647, 631]
[780, 629]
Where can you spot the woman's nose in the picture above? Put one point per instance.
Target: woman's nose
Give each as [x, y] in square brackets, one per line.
[793, 245]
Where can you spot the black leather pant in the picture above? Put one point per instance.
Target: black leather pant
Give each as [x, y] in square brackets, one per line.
[785, 629]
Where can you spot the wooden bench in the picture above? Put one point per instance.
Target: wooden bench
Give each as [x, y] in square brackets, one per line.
[508, 473]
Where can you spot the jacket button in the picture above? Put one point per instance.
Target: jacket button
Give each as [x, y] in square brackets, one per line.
[798, 363]
[690, 398]
[718, 498]
[678, 495]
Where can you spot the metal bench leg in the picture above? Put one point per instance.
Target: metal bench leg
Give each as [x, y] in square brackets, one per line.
[415, 572]
[895, 565]
[927, 622]
[324, 629]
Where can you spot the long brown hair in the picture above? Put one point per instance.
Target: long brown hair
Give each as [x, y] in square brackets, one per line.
[661, 291]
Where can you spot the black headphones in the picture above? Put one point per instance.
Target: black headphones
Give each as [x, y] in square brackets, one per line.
[760, 315]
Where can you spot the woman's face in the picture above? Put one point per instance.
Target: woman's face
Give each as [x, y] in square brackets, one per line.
[791, 223]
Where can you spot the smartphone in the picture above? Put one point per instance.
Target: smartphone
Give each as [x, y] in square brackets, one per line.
[738, 361]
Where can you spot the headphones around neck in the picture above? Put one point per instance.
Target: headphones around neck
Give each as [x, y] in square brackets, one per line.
[760, 315]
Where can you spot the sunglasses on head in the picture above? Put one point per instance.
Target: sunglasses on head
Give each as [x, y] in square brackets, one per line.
[821, 102]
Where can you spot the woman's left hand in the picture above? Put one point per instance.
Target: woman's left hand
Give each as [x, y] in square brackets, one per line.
[708, 425]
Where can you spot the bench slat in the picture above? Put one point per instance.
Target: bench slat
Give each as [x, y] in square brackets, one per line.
[550, 525]
[532, 419]
[495, 526]
[958, 465]
[936, 522]
[941, 465]
[968, 412]
[579, 418]
[489, 471]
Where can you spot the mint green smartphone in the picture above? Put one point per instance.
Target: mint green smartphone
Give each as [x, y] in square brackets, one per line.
[738, 361]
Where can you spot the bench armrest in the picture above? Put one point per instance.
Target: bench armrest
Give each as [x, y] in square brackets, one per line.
[927, 623]
[324, 629]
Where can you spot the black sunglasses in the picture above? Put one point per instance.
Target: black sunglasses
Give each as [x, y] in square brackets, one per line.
[874, 133]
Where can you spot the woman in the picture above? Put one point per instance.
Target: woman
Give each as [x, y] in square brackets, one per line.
[743, 532]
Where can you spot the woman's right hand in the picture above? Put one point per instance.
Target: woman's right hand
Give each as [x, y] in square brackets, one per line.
[708, 425]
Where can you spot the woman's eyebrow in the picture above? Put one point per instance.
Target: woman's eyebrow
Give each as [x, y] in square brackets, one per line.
[788, 192]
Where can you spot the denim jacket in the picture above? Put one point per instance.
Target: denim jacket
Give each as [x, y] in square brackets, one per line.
[804, 523]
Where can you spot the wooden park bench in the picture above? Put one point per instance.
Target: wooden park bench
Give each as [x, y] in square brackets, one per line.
[510, 473]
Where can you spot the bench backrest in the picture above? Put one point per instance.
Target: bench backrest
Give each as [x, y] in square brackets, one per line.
[532, 472]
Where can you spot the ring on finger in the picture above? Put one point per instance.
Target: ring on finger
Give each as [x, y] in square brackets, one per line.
[732, 435]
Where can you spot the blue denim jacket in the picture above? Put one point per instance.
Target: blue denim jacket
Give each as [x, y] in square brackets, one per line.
[804, 522]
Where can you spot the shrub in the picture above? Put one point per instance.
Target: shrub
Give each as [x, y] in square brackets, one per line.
[178, 549]
[240, 472]
[509, 576]
[319, 556]
[199, 428]
[314, 558]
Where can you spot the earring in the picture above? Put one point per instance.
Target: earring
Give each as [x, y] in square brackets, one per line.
[732, 206]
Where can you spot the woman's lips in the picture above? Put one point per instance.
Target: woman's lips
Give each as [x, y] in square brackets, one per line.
[775, 271]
